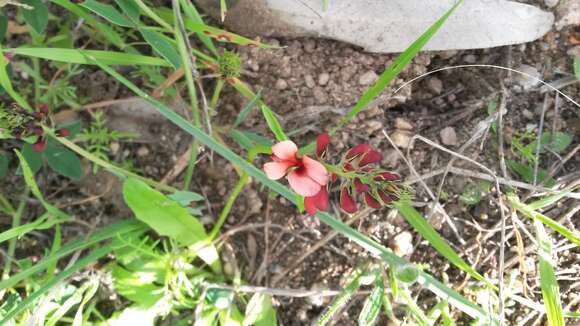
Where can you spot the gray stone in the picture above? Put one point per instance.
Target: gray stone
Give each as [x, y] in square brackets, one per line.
[367, 78]
[568, 13]
[281, 84]
[435, 85]
[309, 81]
[323, 78]
[551, 3]
[529, 78]
[390, 26]
[448, 136]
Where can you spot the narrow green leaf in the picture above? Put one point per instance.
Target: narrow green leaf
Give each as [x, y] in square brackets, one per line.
[130, 8]
[373, 247]
[573, 236]
[428, 233]
[244, 141]
[342, 299]
[108, 12]
[372, 306]
[247, 109]
[4, 162]
[80, 56]
[577, 67]
[273, 123]
[193, 15]
[185, 198]
[168, 218]
[41, 223]
[161, 45]
[548, 282]
[63, 161]
[37, 17]
[557, 142]
[389, 74]
[548, 200]
[6, 83]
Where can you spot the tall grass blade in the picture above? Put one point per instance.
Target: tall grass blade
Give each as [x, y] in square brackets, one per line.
[80, 56]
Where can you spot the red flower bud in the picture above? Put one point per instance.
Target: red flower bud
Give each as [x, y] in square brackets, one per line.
[359, 186]
[370, 157]
[43, 109]
[347, 167]
[63, 132]
[347, 202]
[371, 201]
[318, 201]
[386, 198]
[39, 145]
[37, 131]
[357, 150]
[322, 142]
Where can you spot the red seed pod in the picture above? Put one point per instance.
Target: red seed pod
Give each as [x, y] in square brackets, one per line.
[359, 186]
[39, 145]
[386, 198]
[358, 150]
[387, 176]
[347, 202]
[347, 167]
[371, 201]
[322, 142]
[63, 132]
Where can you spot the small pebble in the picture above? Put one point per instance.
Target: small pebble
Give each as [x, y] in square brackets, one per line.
[469, 58]
[525, 81]
[281, 84]
[435, 85]
[323, 79]
[401, 138]
[143, 151]
[528, 114]
[403, 124]
[367, 78]
[309, 81]
[309, 45]
[402, 244]
[448, 136]
[114, 147]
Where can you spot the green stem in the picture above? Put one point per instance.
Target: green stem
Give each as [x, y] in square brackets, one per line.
[216, 94]
[5, 206]
[191, 165]
[16, 220]
[244, 177]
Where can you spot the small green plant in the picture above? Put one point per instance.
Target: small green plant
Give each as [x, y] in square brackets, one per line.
[98, 137]
[229, 64]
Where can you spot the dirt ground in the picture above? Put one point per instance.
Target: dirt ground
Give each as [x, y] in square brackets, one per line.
[310, 83]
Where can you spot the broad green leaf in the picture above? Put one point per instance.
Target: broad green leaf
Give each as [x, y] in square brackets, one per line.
[440, 244]
[573, 236]
[80, 56]
[34, 159]
[548, 282]
[557, 142]
[426, 280]
[168, 218]
[577, 67]
[37, 17]
[74, 127]
[220, 298]
[3, 27]
[108, 12]
[473, 192]
[526, 172]
[161, 45]
[259, 311]
[4, 162]
[130, 8]
[91, 289]
[185, 198]
[372, 306]
[141, 285]
[63, 161]
[389, 74]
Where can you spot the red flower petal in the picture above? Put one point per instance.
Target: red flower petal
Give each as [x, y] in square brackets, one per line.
[333, 177]
[63, 132]
[315, 170]
[347, 167]
[347, 202]
[39, 145]
[387, 176]
[318, 201]
[276, 170]
[371, 201]
[285, 150]
[358, 150]
[322, 142]
[386, 198]
[303, 185]
[370, 157]
[359, 186]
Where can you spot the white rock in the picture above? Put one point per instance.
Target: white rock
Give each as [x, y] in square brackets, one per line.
[390, 26]
[402, 244]
[435, 85]
[401, 138]
[367, 78]
[448, 136]
[403, 124]
[568, 13]
[551, 3]
[323, 79]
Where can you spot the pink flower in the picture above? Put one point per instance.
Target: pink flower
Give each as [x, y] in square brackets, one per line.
[305, 175]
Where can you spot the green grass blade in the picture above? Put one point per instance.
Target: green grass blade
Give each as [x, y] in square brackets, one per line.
[6, 83]
[574, 237]
[193, 15]
[92, 257]
[548, 200]
[428, 233]
[108, 12]
[426, 280]
[342, 299]
[42, 223]
[162, 46]
[389, 74]
[117, 229]
[80, 56]
[548, 282]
